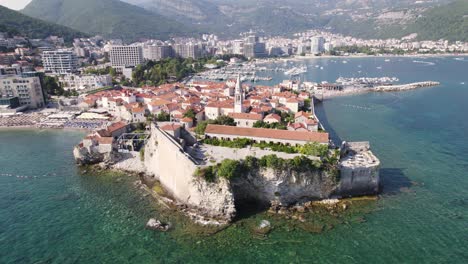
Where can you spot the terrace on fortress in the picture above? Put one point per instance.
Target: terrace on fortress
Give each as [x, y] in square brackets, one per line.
[266, 135]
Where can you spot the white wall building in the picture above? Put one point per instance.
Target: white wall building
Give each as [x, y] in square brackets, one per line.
[188, 50]
[80, 82]
[157, 52]
[27, 89]
[126, 56]
[60, 61]
[317, 45]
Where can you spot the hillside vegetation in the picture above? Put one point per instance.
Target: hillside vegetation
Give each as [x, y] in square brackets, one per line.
[110, 18]
[448, 22]
[15, 23]
[164, 18]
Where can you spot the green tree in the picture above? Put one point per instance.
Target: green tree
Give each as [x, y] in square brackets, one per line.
[52, 87]
[163, 117]
[190, 113]
[314, 149]
[225, 121]
[229, 169]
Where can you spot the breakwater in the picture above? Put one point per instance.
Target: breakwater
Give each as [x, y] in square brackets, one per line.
[352, 90]
[405, 87]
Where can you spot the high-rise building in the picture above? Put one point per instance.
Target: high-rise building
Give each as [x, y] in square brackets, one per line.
[317, 45]
[301, 49]
[125, 56]
[157, 52]
[188, 50]
[253, 48]
[60, 61]
[238, 47]
[28, 90]
[251, 38]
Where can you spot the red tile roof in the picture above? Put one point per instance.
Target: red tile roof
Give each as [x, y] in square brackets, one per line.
[116, 126]
[187, 120]
[159, 102]
[273, 116]
[268, 133]
[246, 116]
[105, 140]
[138, 110]
[170, 127]
[302, 113]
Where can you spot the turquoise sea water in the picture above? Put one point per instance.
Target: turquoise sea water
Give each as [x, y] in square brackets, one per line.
[51, 214]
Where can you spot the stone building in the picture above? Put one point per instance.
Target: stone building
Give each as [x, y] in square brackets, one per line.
[266, 135]
[246, 119]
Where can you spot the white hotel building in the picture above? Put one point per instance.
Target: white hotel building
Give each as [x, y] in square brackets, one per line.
[125, 56]
[27, 89]
[60, 61]
[80, 82]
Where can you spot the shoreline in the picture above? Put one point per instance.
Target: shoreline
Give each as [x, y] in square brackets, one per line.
[299, 58]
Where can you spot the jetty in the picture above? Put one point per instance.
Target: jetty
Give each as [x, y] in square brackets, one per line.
[404, 87]
[321, 94]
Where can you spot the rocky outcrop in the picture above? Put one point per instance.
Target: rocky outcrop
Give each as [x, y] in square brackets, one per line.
[87, 155]
[213, 199]
[157, 225]
[284, 187]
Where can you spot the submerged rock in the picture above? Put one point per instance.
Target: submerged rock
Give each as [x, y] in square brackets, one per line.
[157, 225]
[263, 228]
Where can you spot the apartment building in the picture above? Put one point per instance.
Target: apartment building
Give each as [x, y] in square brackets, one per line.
[126, 56]
[27, 89]
[80, 82]
[60, 61]
[188, 50]
[157, 52]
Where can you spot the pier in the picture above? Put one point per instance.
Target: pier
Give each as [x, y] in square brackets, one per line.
[405, 87]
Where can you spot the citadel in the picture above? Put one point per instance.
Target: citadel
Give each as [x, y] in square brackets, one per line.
[241, 145]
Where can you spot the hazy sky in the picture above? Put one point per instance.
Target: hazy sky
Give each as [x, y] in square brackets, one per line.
[14, 4]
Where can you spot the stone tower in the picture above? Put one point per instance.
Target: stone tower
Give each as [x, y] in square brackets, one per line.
[239, 97]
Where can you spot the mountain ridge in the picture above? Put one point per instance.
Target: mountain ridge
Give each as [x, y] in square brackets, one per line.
[14, 22]
[166, 18]
[110, 18]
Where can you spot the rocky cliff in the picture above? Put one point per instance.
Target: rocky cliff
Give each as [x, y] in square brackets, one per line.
[166, 160]
[282, 187]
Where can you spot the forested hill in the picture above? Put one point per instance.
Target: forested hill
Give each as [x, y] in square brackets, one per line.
[110, 18]
[448, 22]
[15, 23]
[161, 19]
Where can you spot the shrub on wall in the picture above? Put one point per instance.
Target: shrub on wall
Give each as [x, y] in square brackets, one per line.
[229, 169]
[309, 149]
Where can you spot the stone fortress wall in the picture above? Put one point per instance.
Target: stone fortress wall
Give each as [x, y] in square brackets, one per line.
[359, 170]
[166, 159]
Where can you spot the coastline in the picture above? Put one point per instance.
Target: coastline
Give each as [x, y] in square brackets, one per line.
[6, 128]
[306, 57]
